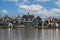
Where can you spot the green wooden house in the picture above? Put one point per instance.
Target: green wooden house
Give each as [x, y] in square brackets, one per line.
[29, 20]
[28, 23]
[34, 22]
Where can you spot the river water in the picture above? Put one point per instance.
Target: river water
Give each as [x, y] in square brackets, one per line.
[29, 34]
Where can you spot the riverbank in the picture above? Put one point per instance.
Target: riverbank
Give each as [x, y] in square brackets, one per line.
[33, 27]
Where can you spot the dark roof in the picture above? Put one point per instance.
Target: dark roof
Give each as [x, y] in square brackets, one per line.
[5, 17]
[28, 16]
[39, 18]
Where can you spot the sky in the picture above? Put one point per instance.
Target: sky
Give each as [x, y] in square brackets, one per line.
[42, 8]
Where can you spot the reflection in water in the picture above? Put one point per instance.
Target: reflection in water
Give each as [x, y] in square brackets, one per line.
[56, 34]
[29, 34]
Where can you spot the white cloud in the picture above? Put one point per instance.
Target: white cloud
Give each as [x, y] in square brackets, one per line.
[39, 10]
[4, 11]
[52, 12]
[11, 0]
[58, 3]
[55, 10]
[25, 0]
[31, 7]
[43, 0]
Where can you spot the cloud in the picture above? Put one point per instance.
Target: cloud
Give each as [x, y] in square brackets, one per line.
[11, 0]
[54, 12]
[58, 3]
[25, 0]
[4, 11]
[43, 0]
[31, 7]
[39, 10]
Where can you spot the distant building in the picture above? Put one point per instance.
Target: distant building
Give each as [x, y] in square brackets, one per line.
[59, 23]
[52, 22]
[35, 22]
[6, 20]
[19, 19]
[39, 21]
[29, 20]
[28, 17]
[14, 20]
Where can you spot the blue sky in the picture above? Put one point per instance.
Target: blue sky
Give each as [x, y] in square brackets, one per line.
[43, 8]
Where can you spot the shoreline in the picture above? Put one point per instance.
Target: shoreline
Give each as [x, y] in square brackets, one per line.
[34, 27]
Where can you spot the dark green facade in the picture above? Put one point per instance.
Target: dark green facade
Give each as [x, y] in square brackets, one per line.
[31, 23]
